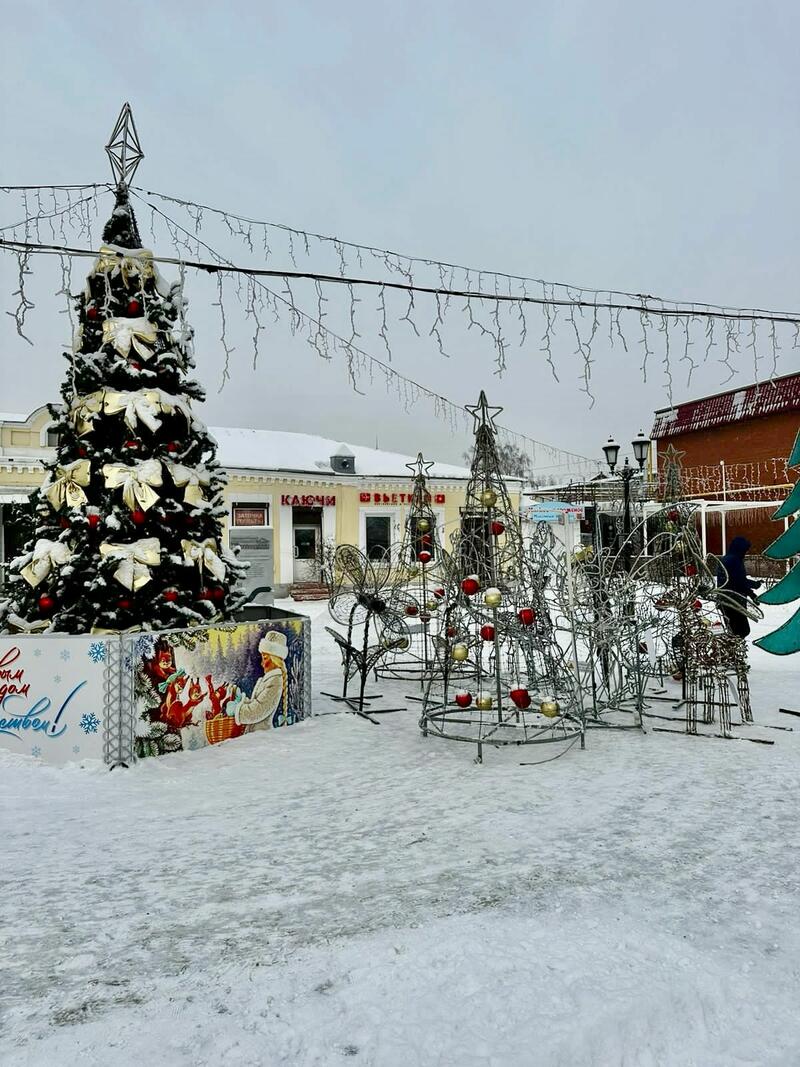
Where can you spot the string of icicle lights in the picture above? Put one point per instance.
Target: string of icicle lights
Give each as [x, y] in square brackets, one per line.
[507, 311]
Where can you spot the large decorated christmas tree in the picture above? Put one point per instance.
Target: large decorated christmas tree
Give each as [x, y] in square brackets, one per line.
[128, 521]
[786, 638]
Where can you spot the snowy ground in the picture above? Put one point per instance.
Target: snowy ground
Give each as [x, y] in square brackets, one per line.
[342, 892]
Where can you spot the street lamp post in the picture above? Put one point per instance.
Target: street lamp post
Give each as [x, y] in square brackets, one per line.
[641, 450]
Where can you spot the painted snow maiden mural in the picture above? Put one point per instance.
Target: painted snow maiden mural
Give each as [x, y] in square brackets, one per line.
[197, 688]
[268, 704]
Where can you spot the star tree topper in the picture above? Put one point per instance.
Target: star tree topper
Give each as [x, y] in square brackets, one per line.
[420, 469]
[123, 149]
[483, 414]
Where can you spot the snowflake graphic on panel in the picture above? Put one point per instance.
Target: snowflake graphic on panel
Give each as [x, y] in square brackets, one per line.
[76, 749]
[37, 652]
[66, 654]
[97, 652]
[145, 645]
[89, 723]
[57, 679]
[36, 751]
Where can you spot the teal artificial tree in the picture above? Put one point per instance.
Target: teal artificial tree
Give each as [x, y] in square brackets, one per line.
[786, 639]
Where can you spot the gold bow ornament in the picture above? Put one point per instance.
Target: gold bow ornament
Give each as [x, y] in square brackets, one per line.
[83, 411]
[135, 559]
[136, 482]
[192, 479]
[125, 261]
[143, 405]
[122, 333]
[46, 556]
[66, 487]
[204, 554]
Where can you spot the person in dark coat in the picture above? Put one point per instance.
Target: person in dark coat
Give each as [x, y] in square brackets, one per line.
[738, 588]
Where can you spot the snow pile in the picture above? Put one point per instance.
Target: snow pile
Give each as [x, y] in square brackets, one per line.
[343, 892]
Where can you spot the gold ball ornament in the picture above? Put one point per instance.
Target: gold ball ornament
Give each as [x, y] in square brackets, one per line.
[488, 498]
[492, 598]
[483, 702]
[423, 525]
[549, 708]
[432, 605]
[460, 653]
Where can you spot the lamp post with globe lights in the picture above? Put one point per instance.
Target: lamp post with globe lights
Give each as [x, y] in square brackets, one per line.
[641, 450]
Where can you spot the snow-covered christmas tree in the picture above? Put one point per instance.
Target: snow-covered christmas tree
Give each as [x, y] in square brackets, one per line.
[128, 521]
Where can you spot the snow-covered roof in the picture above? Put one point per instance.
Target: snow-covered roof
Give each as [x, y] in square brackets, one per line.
[8, 416]
[281, 450]
[734, 405]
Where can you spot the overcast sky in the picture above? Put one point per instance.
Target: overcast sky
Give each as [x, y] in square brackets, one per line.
[645, 147]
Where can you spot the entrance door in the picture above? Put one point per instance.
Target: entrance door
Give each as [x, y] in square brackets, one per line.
[306, 546]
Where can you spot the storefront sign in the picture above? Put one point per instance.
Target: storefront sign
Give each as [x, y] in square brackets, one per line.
[399, 498]
[308, 501]
[554, 511]
[251, 515]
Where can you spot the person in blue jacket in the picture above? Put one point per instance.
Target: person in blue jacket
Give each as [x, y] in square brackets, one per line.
[738, 588]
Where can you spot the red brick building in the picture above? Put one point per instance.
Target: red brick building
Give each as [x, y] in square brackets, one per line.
[734, 448]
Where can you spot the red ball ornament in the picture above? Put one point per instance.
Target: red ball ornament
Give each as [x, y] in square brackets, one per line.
[470, 585]
[673, 515]
[497, 528]
[690, 570]
[135, 364]
[82, 453]
[91, 312]
[170, 595]
[520, 698]
[487, 632]
[426, 539]
[93, 519]
[463, 699]
[64, 523]
[217, 593]
[424, 556]
[46, 603]
[412, 609]
[425, 616]
[131, 445]
[134, 307]
[451, 631]
[527, 616]
[139, 516]
[204, 594]
[173, 446]
[124, 604]
[438, 593]
[697, 605]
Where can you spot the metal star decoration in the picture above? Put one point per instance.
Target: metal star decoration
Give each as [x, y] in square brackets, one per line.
[672, 469]
[123, 149]
[483, 414]
[420, 469]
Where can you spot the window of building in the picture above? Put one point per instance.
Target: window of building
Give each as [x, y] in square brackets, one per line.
[250, 513]
[378, 536]
[53, 437]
